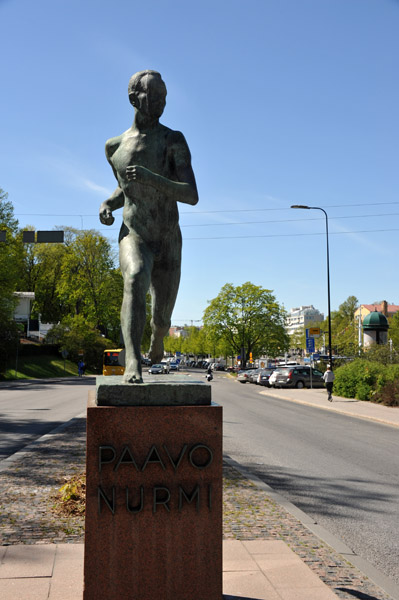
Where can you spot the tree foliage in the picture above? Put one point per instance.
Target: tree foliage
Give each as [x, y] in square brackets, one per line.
[80, 337]
[249, 317]
[75, 278]
[10, 266]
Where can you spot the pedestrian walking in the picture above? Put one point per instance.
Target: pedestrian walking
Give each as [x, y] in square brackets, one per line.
[81, 368]
[329, 381]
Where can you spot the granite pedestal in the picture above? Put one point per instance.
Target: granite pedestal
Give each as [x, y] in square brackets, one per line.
[154, 499]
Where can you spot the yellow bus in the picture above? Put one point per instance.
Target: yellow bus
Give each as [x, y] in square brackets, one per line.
[114, 362]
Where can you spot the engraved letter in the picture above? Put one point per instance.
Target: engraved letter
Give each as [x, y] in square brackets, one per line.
[126, 461]
[101, 494]
[153, 457]
[189, 498]
[139, 507]
[101, 459]
[175, 464]
[158, 500]
[196, 464]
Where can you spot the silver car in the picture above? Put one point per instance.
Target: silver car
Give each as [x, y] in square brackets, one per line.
[244, 375]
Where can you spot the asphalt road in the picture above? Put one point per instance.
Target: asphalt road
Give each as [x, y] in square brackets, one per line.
[29, 410]
[342, 471]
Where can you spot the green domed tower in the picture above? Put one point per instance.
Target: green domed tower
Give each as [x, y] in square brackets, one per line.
[375, 329]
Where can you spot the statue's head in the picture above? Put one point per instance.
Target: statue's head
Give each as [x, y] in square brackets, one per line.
[147, 93]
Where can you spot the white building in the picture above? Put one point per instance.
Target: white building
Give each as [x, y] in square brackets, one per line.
[300, 318]
[22, 314]
[23, 308]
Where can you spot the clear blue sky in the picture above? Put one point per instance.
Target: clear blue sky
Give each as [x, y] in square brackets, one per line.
[281, 101]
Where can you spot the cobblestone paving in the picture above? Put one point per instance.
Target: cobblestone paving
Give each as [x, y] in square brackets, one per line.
[26, 517]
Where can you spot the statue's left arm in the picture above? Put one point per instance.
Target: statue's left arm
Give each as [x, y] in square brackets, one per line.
[185, 188]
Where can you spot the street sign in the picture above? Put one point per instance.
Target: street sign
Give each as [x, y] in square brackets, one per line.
[314, 331]
[316, 356]
[310, 344]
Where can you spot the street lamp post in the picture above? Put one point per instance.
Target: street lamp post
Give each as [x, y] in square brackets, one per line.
[328, 275]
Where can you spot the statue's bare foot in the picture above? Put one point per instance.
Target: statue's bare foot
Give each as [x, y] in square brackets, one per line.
[156, 350]
[132, 373]
[132, 378]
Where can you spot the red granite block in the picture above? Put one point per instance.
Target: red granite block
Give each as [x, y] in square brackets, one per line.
[153, 503]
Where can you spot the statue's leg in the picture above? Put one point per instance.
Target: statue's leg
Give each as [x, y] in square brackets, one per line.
[136, 263]
[165, 281]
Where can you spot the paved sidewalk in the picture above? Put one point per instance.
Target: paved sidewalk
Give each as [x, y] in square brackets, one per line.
[261, 570]
[347, 406]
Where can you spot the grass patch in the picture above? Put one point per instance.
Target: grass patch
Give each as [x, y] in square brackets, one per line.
[70, 499]
[41, 367]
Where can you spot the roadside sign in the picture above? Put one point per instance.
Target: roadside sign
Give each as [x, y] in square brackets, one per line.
[64, 353]
[310, 344]
[81, 352]
[316, 356]
[314, 331]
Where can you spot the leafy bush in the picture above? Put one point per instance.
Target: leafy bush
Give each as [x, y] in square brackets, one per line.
[365, 380]
[388, 394]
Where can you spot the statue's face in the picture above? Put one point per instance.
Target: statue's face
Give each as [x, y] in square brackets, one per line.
[151, 96]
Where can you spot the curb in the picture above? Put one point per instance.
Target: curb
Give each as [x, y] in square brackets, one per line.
[381, 580]
[7, 462]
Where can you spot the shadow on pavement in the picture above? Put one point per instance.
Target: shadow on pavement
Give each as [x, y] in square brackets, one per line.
[354, 494]
[39, 384]
[356, 594]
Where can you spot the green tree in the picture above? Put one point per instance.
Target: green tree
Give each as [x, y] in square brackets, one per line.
[10, 266]
[393, 332]
[344, 327]
[89, 284]
[76, 335]
[249, 317]
[42, 275]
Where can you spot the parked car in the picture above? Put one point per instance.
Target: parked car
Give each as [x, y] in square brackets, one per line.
[253, 376]
[264, 376]
[157, 369]
[174, 366]
[243, 375]
[273, 377]
[166, 366]
[299, 377]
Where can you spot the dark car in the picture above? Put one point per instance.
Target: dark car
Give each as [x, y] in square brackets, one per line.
[298, 377]
[264, 376]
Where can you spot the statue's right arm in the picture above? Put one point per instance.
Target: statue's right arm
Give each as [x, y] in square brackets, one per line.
[117, 199]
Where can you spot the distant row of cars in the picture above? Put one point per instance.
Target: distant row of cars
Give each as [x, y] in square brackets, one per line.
[163, 368]
[297, 376]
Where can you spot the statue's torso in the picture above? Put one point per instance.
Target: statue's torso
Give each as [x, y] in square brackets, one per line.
[146, 210]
